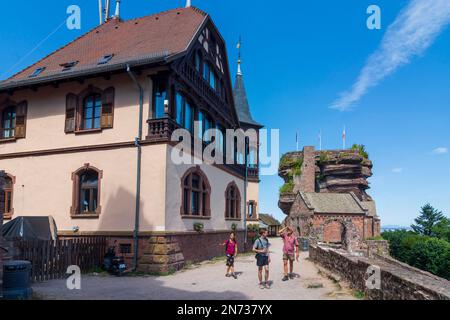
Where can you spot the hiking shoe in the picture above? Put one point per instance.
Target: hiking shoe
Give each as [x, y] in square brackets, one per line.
[227, 275]
[291, 276]
[234, 275]
[261, 285]
[268, 286]
[285, 278]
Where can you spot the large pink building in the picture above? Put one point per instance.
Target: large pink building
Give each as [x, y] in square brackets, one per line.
[86, 138]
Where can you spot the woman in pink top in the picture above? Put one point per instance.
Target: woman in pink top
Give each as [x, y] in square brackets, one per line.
[290, 246]
[231, 252]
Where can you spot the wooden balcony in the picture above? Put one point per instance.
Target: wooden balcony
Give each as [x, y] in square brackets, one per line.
[160, 130]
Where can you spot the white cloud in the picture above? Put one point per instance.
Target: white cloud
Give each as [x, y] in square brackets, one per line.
[440, 150]
[412, 32]
[397, 170]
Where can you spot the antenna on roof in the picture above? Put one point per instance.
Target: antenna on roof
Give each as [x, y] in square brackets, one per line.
[188, 3]
[117, 14]
[107, 5]
[100, 11]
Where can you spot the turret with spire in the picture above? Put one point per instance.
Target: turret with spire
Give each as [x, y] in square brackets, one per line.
[240, 97]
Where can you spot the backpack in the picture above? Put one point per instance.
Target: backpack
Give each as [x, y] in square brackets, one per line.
[259, 239]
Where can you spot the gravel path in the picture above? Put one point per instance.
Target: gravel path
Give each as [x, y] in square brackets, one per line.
[205, 281]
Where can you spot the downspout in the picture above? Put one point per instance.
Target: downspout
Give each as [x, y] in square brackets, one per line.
[137, 143]
[245, 190]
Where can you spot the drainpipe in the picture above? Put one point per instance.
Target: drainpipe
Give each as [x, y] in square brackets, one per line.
[137, 143]
[245, 189]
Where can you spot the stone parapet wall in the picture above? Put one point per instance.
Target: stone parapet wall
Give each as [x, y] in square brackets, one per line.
[397, 282]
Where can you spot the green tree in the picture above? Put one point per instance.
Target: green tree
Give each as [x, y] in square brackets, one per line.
[442, 229]
[427, 220]
[432, 255]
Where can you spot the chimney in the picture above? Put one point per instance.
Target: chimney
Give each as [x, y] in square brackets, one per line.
[117, 13]
[100, 11]
[188, 3]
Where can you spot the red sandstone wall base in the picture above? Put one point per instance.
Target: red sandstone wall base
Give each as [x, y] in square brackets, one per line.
[163, 253]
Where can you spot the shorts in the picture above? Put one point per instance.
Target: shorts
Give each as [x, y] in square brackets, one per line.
[287, 256]
[230, 260]
[262, 260]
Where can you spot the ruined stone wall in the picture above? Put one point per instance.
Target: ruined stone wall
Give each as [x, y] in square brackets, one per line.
[397, 281]
[307, 180]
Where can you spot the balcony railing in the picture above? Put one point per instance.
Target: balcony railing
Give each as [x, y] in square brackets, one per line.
[160, 130]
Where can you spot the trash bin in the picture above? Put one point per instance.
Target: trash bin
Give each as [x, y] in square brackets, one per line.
[16, 280]
[304, 244]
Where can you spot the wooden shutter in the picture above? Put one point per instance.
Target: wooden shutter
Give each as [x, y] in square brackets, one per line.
[71, 110]
[21, 120]
[107, 118]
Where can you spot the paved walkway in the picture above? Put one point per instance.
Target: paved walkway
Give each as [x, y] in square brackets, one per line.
[205, 281]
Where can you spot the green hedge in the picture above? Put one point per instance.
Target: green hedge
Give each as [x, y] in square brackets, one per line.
[426, 253]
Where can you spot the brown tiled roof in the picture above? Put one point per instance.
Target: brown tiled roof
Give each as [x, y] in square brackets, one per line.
[268, 220]
[160, 35]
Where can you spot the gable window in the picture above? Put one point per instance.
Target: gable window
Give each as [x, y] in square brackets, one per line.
[86, 191]
[184, 112]
[197, 61]
[8, 188]
[232, 202]
[195, 194]
[13, 118]
[209, 75]
[91, 110]
[206, 71]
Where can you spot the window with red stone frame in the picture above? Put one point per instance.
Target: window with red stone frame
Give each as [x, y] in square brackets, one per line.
[8, 189]
[232, 202]
[196, 193]
[86, 192]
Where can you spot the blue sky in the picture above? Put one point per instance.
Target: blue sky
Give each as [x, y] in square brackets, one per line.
[298, 56]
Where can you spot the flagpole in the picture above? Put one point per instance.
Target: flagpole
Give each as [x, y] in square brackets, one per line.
[296, 139]
[344, 138]
[320, 140]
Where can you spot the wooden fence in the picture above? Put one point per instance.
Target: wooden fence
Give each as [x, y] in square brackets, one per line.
[50, 259]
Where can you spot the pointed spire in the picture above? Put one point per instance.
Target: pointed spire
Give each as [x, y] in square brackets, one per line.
[239, 71]
[188, 3]
[240, 96]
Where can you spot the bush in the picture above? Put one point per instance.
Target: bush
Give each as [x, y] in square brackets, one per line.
[432, 255]
[198, 226]
[361, 150]
[287, 187]
[426, 253]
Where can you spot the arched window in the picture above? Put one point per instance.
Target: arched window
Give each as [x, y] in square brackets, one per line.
[196, 193]
[8, 189]
[92, 111]
[8, 122]
[86, 191]
[232, 202]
